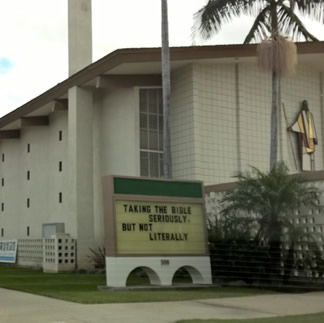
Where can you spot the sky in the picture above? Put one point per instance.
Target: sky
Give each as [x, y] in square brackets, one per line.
[33, 38]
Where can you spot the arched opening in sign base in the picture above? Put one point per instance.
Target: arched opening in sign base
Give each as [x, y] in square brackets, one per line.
[187, 275]
[142, 276]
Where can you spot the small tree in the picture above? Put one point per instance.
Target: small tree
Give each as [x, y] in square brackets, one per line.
[270, 199]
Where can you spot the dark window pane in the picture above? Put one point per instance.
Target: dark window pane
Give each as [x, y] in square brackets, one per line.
[161, 123]
[144, 139]
[143, 101]
[161, 164]
[144, 164]
[154, 164]
[153, 121]
[152, 101]
[160, 141]
[153, 140]
[143, 121]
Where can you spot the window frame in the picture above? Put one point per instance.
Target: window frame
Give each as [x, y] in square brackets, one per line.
[157, 151]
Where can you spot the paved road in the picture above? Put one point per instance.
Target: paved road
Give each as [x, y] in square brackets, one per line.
[17, 307]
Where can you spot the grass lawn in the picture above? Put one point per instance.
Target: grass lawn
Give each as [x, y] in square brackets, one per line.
[310, 318]
[82, 288]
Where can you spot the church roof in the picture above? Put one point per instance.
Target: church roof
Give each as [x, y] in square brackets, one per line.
[146, 61]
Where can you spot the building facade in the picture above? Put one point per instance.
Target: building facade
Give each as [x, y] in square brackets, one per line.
[107, 120]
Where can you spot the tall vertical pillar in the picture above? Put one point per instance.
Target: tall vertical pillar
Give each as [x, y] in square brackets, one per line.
[79, 35]
[80, 169]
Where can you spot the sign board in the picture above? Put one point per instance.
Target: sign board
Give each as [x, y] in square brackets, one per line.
[8, 251]
[158, 225]
[155, 227]
[148, 217]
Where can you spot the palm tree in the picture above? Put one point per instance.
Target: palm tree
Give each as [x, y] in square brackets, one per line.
[274, 19]
[269, 198]
[166, 89]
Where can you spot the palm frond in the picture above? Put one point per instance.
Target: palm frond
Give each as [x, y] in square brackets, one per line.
[312, 8]
[291, 25]
[269, 197]
[210, 18]
[260, 28]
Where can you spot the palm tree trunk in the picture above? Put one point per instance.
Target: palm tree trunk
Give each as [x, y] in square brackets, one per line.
[274, 120]
[275, 89]
[166, 89]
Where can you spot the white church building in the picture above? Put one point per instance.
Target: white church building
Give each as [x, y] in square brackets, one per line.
[106, 119]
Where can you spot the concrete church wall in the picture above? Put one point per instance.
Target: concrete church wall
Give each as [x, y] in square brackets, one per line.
[115, 144]
[254, 91]
[221, 119]
[215, 122]
[182, 123]
[120, 132]
[44, 185]
[305, 85]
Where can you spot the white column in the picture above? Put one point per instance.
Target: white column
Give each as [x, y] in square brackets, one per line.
[80, 34]
[80, 169]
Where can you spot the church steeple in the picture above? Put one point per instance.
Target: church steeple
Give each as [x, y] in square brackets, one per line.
[79, 35]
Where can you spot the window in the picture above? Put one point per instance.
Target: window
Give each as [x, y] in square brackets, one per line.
[60, 135]
[28, 175]
[60, 197]
[49, 229]
[28, 148]
[28, 203]
[3, 157]
[60, 166]
[2, 207]
[2, 232]
[2, 181]
[151, 132]
[28, 231]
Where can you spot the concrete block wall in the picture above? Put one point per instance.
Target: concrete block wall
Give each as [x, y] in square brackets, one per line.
[44, 185]
[311, 219]
[215, 122]
[221, 119]
[182, 123]
[119, 129]
[30, 252]
[255, 90]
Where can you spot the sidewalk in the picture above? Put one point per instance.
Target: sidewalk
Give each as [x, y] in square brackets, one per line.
[18, 307]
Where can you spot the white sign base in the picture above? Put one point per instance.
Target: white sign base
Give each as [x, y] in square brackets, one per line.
[160, 270]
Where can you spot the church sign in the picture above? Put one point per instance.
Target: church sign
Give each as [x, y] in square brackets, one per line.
[154, 217]
[155, 227]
